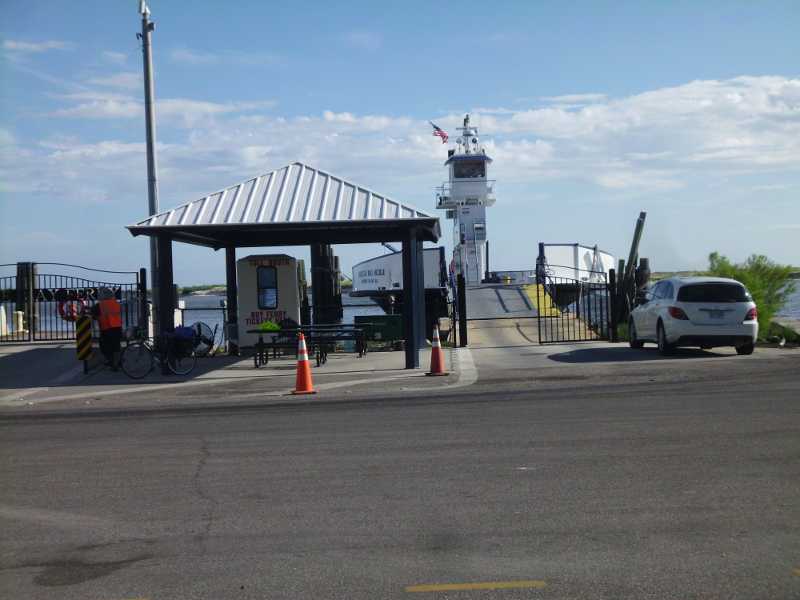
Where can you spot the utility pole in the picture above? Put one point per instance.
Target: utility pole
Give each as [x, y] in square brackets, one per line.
[150, 123]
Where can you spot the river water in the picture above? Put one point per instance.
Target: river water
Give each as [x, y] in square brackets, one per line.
[791, 309]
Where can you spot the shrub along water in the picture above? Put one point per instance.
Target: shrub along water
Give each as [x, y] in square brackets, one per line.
[768, 282]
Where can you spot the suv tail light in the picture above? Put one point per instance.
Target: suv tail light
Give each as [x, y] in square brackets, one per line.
[677, 313]
[751, 315]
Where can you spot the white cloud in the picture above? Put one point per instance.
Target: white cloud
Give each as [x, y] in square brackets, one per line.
[18, 46]
[181, 112]
[191, 112]
[98, 105]
[6, 137]
[660, 141]
[191, 57]
[366, 122]
[771, 187]
[67, 151]
[363, 40]
[494, 110]
[786, 227]
[575, 98]
[643, 179]
[115, 58]
[125, 80]
[195, 58]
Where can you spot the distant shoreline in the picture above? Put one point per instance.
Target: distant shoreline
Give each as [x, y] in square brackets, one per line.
[203, 290]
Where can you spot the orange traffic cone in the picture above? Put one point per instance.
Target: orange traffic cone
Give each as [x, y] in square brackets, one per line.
[303, 384]
[437, 356]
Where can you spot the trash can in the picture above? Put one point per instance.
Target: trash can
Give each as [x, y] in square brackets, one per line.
[381, 328]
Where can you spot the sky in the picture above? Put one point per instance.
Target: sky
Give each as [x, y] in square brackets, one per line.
[592, 111]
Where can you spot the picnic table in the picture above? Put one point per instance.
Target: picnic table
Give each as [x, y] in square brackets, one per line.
[319, 339]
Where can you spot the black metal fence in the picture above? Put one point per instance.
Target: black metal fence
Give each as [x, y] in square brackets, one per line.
[571, 310]
[43, 306]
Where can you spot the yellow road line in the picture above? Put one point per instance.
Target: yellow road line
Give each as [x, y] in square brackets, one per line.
[485, 585]
[796, 572]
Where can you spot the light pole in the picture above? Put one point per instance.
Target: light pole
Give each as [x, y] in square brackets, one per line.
[150, 123]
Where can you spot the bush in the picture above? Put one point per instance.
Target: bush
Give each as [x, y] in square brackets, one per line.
[767, 281]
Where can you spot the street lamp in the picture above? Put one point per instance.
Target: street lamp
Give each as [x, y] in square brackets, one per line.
[150, 123]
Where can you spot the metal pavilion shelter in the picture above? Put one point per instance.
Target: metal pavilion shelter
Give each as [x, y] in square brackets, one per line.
[297, 205]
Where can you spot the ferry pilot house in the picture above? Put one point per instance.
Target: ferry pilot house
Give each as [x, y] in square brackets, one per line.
[469, 169]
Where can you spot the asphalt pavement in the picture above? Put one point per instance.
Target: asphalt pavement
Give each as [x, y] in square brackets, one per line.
[605, 475]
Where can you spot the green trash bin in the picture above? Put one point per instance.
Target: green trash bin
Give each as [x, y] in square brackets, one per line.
[381, 328]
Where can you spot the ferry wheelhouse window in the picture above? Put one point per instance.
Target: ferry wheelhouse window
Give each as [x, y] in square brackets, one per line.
[469, 169]
[267, 287]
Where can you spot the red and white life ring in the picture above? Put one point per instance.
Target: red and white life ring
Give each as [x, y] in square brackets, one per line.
[70, 310]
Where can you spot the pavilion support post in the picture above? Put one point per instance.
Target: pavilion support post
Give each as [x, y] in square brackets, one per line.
[166, 301]
[411, 299]
[232, 323]
[165, 309]
[326, 276]
[419, 301]
[318, 265]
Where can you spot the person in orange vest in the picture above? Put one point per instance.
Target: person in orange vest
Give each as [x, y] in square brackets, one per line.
[108, 313]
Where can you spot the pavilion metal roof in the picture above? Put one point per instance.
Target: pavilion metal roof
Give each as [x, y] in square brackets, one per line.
[278, 206]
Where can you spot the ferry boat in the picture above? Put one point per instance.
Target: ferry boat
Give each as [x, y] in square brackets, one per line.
[464, 198]
[567, 268]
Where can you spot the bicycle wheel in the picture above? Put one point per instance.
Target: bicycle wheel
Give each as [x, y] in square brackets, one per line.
[204, 339]
[136, 360]
[181, 364]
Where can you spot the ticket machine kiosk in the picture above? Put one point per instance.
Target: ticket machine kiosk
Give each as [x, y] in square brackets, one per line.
[269, 288]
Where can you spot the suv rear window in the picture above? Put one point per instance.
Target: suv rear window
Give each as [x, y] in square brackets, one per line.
[713, 292]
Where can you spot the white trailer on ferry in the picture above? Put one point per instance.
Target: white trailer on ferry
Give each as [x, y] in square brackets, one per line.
[381, 279]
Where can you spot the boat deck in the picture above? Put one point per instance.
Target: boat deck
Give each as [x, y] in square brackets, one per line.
[499, 301]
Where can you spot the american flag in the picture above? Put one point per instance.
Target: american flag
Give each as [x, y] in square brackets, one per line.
[438, 131]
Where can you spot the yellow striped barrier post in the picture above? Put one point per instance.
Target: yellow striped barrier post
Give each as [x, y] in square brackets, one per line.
[83, 340]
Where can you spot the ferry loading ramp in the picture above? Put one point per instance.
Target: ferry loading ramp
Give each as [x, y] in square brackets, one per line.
[296, 205]
[498, 301]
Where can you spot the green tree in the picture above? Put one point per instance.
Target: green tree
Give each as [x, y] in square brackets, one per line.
[767, 281]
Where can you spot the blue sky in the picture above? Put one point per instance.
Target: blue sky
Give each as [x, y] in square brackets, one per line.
[592, 112]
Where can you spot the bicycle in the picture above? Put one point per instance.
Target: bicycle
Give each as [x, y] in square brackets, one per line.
[141, 355]
[205, 339]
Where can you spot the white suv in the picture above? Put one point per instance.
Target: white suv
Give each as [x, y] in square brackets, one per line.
[695, 311]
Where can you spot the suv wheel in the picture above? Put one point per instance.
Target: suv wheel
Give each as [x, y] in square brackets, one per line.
[746, 349]
[633, 339]
[664, 347]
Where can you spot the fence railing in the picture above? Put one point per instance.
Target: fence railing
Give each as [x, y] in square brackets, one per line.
[579, 311]
[37, 306]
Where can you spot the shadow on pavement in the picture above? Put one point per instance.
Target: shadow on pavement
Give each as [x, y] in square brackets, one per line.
[34, 367]
[57, 366]
[598, 355]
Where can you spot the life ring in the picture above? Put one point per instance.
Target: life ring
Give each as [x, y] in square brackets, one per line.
[70, 310]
